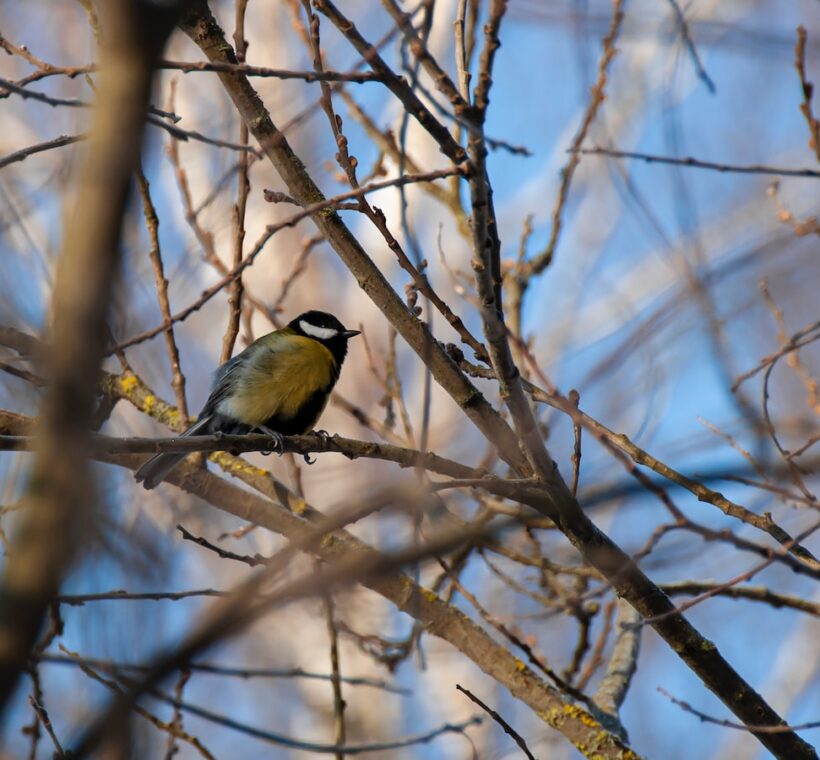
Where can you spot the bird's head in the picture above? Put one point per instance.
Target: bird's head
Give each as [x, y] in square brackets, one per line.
[321, 326]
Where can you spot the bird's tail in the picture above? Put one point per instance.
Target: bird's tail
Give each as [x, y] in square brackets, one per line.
[153, 472]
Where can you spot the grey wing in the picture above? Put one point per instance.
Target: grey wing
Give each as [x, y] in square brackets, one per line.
[225, 378]
[157, 467]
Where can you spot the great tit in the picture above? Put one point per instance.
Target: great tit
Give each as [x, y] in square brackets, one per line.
[279, 385]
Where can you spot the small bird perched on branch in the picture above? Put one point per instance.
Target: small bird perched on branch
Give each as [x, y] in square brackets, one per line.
[279, 385]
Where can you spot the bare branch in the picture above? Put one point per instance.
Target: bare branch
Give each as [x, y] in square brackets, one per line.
[42, 716]
[112, 668]
[704, 718]
[611, 692]
[161, 282]
[24, 153]
[690, 46]
[597, 96]
[808, 91]
[187, 67]
[752, 593]
[508, 729]
[696, 163]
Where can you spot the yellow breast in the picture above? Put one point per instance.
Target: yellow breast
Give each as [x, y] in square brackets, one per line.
[279, 379]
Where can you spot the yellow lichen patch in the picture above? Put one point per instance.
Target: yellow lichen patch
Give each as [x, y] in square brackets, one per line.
[149, 402]
[602, 739]
[298, 506]
[581, 715]
[250, 469]
[171, 417]
[236, 465]
[128, 383]
[553, 717]
[708, 646]
[519, 665]
[430, 596]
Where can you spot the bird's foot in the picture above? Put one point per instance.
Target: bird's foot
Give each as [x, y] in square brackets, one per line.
[325, 436]
[277, 439]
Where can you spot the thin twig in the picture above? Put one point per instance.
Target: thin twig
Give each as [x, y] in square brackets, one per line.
[42, 716]
[597, 96]
[393, 82]
[254, 561]
[801, 338]
[794, 361]
[224, 671]
[187, 67]
[41, 97]
[236, 289]
[808, 91]
[704, 718]
[597, 658]
[339, 703]
[24, 153]
[461, 106]
[170, 728]
[512, 637]
[719, 587]
[508, 729]
[155, 254]
[575, 398]
[690, 46]
[78, 600]
[696, 163]
[155, 117]
[324, 749]
[176, 721]
[795, 470]
[751, 593]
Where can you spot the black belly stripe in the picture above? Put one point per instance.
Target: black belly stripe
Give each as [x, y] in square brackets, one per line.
[304, 421]
[301, 423]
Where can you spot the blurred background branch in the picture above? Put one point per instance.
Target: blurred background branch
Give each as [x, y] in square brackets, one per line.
[58, 503]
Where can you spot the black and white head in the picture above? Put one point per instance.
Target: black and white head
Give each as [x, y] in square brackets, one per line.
[325, 328]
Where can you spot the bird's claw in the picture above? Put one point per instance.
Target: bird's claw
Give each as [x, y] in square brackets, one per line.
[277, 439]
[325, 436]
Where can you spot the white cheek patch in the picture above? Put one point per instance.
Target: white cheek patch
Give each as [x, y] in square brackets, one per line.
[322, 333]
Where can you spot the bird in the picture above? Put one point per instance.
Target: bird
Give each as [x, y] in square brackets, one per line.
[279, 385]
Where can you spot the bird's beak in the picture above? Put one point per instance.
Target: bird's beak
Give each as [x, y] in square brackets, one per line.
[351, 333]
